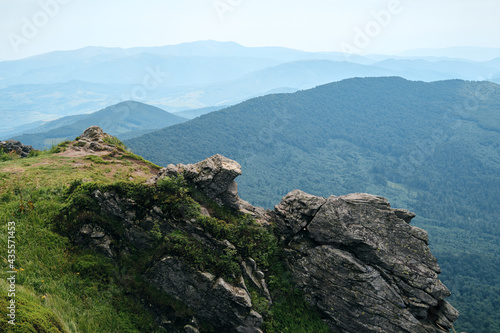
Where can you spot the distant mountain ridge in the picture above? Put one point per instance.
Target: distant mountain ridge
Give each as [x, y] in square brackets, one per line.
[129, 119]
[193, 76]
[461, 52]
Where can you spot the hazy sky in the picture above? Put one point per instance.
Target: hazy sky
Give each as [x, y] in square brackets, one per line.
[29, 27]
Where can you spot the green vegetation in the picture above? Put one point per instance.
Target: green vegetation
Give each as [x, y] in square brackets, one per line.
[55, 290]
[250, 239]
[289, 313]
[32, 313]
[115, 142]
[433, 148]
[7, 156]
[61, 146]
[62, 287]
[96, 159]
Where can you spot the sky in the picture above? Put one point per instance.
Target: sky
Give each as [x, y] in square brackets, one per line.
[30, 27]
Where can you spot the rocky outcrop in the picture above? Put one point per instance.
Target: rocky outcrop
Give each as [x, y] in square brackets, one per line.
[17, 147]
[358, 261]
[355, 258]
[93, 140]
[213, 176]
[94, 133]
[362, 265]
[224, 306]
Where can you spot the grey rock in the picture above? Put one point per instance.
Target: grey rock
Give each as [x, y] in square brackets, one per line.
[190, 329]
[95, 237]
[204, 211]
[213, 176]
[16, 147]
[295, 212]
[260, 215]
[256, 277]
[356, 259]
[362, 265]
[94, 133]
[93, 140]
[112, 204]
[139, 237]
[96, 146]
[404, 214]
[224, 306]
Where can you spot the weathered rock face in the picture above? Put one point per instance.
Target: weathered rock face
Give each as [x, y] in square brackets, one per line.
[226, 307]
[94, 133]
[357, 259]
[16, 146]
[213, 176]
[362, 265]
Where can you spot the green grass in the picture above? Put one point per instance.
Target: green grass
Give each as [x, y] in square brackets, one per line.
[97, 159]
[79, 285]
[55, 290]
[32, 313]
[66, 288]
[4, 156]
[58, 148]
[115, 142]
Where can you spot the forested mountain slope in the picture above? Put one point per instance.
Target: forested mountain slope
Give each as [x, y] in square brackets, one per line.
[431, 147]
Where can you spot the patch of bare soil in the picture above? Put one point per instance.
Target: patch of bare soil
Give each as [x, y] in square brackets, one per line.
[78, 152]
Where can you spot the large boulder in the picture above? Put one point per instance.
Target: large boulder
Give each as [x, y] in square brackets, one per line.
[213, 176]
[362, 265]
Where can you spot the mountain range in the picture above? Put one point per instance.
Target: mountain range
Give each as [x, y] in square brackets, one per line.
[193, 76]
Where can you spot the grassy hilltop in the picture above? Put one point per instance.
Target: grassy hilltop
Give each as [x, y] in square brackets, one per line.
[63, 287]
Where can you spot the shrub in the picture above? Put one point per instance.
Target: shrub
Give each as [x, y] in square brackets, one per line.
[115, 142]
[7, 156]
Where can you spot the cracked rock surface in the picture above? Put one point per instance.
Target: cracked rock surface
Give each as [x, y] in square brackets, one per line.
[213, 176]
[226, 307]
[362, 264]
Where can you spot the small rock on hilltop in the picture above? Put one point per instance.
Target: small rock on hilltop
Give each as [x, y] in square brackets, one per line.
[17, 147]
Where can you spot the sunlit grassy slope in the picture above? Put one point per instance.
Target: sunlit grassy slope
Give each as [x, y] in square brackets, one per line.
[54, 290]
[61, 287]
